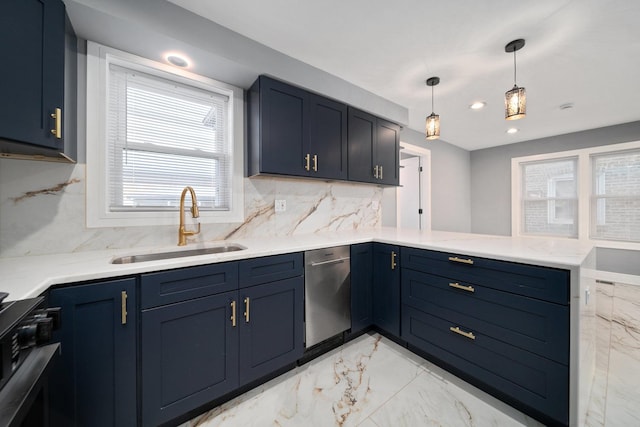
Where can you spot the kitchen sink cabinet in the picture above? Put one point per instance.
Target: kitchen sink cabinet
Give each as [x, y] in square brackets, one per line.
[33, 89]
[294, 132]
[208, 330]
[374, 149]
[502, 326]
[386, 288]
[95, 382]
[361, 287]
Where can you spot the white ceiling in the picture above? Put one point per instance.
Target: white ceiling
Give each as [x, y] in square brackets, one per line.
[584, 52]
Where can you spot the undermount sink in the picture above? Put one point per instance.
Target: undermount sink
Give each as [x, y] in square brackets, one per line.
[129, 259]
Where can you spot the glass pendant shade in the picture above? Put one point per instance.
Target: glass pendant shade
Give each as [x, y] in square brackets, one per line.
[515, 103]
[433, 126]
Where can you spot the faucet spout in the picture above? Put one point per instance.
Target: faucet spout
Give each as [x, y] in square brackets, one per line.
[195, 213]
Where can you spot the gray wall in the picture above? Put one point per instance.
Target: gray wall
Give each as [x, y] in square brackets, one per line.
[450, 193]
[491, 171]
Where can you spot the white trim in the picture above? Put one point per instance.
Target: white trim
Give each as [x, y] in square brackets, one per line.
[425, 185]
[98, 214]
[584, 189]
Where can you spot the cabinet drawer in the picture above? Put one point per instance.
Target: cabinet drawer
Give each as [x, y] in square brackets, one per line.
[166, 287]
[269, 269]
[514, 374]
[544, 283]
[533, 325]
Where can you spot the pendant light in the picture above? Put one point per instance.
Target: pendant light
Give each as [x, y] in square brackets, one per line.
[515, 100]
[433, 120]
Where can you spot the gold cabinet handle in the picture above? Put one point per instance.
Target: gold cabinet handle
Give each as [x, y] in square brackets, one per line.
[233, 314]
[246, 308]
[306, 162]
[393, 260]
[380, 172]
[464, 288]
[57, 130]
[459, 331]
[315, 163]
[462, 260]
[375, 172]
[123, 307]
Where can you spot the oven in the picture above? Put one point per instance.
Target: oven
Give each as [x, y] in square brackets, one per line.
[26, 358]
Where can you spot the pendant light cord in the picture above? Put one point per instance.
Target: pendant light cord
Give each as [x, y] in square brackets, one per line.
[432, 110]
[515, 69]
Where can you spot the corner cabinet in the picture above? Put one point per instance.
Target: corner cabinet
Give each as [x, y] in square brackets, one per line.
[374, 149]
[386, 288]
[33, 90]
[95, 382]
[294, 132]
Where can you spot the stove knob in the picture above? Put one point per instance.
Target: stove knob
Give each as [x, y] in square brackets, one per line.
[35, 331]
[27, 334]
[45, 326]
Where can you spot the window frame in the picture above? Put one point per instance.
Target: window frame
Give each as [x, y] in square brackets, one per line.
[99, 58]
[585, 187]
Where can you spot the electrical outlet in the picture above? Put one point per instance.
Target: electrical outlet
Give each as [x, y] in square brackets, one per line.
[281, 205]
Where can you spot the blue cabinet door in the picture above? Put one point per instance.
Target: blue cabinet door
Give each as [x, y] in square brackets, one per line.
[387, 152]
[361, 140]
[327, 147]
[189, 355]
[361, 286]
[283, 127]
[386, 288]
[95, 384]
[34, 32]
[271, 327]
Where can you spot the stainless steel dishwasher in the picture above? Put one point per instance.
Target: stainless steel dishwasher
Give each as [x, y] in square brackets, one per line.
[327, 287]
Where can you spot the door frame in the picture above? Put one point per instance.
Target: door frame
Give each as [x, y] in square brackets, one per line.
[425, 185]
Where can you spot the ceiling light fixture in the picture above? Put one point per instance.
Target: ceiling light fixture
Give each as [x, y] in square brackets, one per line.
[515, 100]
[478, 105]
[177, 60]
[433, 120]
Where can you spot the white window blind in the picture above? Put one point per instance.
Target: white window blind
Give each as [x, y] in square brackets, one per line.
[549, 202]
[162, 136]
[615, 198]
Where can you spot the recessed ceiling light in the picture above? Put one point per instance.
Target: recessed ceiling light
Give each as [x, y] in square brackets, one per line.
[177, 60]
[478, 105]
[567, 106]
[512, 130]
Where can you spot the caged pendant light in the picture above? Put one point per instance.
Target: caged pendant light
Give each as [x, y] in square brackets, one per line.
[515, 100]
[433, 120]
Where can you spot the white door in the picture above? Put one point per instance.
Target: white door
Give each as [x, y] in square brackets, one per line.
[409, 194]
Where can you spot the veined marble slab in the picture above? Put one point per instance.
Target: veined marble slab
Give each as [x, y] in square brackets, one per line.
[369, 382]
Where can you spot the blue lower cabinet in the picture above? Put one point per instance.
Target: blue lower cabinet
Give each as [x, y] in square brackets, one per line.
[386, 288]
[361, 286]
[189, 355]
[271, 327]
[95, 382]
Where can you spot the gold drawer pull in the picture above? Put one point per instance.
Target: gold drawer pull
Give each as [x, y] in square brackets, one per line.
[393, 260]
[457, 330]
[375, 172]
[246, 307]
[306, 162]
[57, 129]
[123, 307]
[315, 163]
[233, 314]
[464, 288]
[462, 260]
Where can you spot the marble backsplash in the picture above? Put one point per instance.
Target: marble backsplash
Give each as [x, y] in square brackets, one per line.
[42, 211]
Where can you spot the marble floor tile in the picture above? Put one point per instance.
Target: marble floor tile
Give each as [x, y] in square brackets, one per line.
[369, 382]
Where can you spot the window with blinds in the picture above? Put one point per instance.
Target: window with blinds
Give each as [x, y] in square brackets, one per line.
[163, 135]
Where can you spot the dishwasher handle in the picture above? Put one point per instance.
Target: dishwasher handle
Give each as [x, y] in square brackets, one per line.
[331, 261]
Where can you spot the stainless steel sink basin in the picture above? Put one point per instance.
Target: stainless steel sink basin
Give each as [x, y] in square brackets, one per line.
[231, 247]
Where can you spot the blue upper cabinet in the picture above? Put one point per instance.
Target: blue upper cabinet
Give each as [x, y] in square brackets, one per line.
[374, 149]
[32, 75]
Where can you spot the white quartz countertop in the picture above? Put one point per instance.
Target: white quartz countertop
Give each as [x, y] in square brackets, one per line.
[29, 276]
